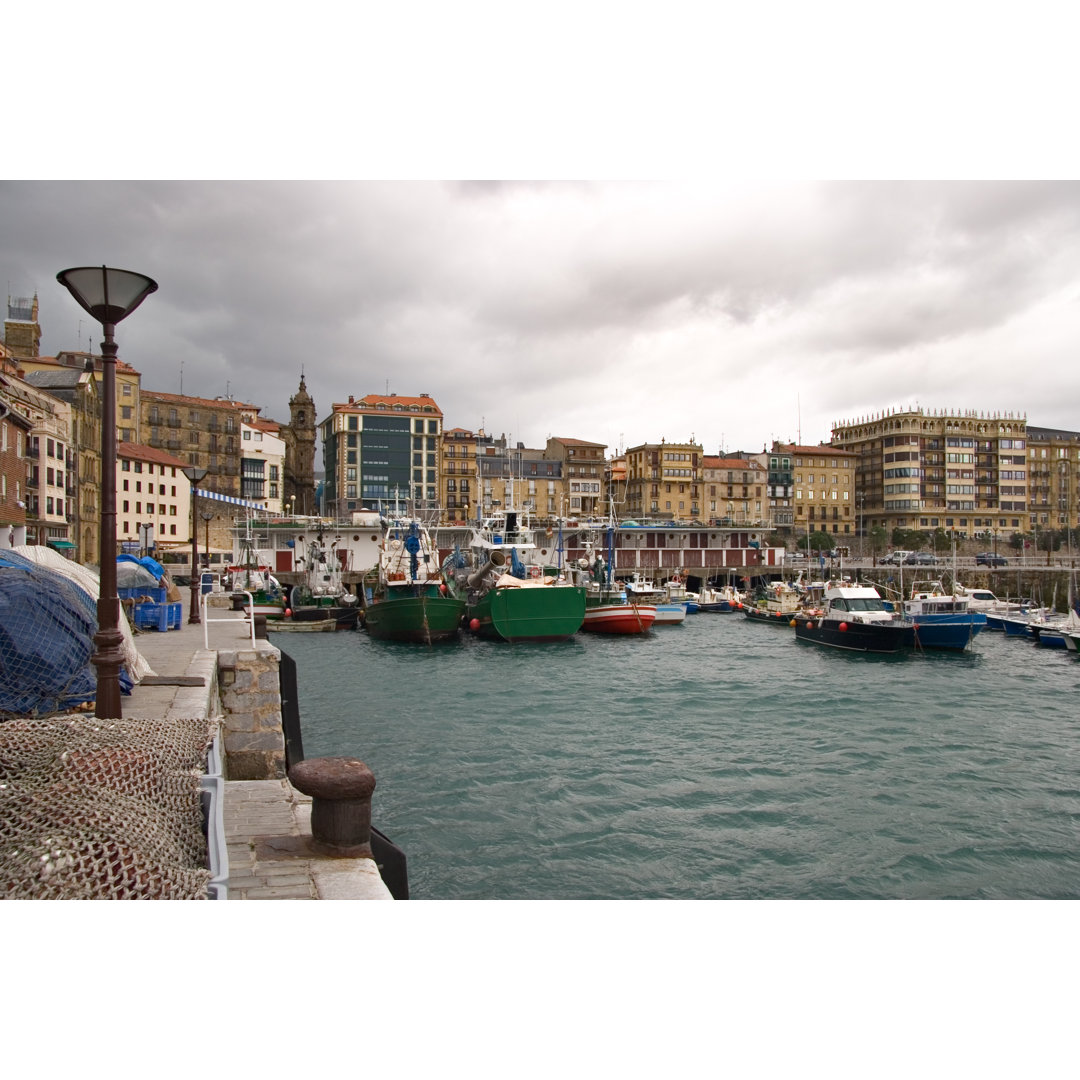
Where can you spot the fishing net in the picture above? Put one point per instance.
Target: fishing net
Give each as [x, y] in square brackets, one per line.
[103, 809]
[48, 618]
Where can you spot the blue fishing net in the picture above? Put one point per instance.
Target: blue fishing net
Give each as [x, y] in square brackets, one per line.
[47, 627]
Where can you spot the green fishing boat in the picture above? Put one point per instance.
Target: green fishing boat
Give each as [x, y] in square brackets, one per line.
[511, 591]
[411, 601]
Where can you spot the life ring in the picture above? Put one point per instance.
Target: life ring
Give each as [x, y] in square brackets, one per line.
[535, 571]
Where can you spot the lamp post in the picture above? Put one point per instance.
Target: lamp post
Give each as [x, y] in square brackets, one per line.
[207, 516]
[194, 475]
[109, 296]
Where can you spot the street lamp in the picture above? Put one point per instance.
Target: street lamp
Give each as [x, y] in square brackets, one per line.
[194, 475]
[109, 296]
[207, 516]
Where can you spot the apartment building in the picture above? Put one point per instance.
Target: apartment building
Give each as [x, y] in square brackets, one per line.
[1053, 478]
[262, 462]
[380, 449]
[80, 492]
[153, 498]
[663, 481]
[204, 432]
[965, 471]
[734, 491]
[823, 488]
[458, 474]
[584, 478]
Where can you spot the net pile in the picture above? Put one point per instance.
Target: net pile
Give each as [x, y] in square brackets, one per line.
[102, 809]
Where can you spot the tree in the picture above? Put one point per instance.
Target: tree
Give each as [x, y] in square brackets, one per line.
[821, 541]
[879, 539]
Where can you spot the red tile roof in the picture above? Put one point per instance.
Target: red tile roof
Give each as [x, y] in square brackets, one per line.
[138, 452]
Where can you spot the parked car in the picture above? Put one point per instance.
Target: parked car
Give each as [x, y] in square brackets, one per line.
[988, 558]
[894, 558]
[797, 555]
[921, 558]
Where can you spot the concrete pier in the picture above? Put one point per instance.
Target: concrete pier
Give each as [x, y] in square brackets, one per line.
[267, 822]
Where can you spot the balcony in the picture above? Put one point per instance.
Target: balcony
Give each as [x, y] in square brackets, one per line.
[173, 422]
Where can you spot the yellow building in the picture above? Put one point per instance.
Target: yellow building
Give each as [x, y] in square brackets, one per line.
[663, 481]
[823, 479]
[928, 469]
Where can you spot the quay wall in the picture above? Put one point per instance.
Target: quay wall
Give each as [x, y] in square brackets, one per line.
[252, 733]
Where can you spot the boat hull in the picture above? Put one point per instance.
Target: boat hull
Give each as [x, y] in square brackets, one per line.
[528, 613]
[776, 618]
[947, 633]
[422, 618]
[344, 617]
[856, 637]
[618, 618]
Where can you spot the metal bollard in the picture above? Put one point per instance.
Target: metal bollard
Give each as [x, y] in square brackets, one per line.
[260, 628]
[340, 790]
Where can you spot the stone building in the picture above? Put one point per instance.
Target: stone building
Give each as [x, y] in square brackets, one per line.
[22, 332]
[823, 479]
[960, 470]
[459, 475]
[663, 481]
[584, 481]
[1053, 478]
[81, 458]
[734, 491]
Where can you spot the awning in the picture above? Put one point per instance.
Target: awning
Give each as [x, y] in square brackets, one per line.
[232, 499]
[61, 545]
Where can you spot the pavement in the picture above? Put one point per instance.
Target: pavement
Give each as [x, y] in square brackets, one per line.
[267, 823]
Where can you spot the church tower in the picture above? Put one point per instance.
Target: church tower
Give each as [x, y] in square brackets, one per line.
[22, 332]
[299, 439]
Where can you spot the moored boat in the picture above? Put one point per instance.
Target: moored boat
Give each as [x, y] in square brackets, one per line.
[724, 599]
[322, 596]
[778, 603]
[641, 590]
[511, 590]
[607, 608]
[411, 601]
[941, 620]
[855, 619]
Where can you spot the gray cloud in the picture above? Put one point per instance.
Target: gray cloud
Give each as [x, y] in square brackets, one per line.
[614, 312]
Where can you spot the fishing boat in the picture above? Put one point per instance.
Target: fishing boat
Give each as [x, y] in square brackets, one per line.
[247, 574]
[410, 600]
[608, 610]
[855, 619]
[985, 602]
[778, 603]
[322, 596]
[511, 588]
[642, 590]
[941, 620]
[724, 599]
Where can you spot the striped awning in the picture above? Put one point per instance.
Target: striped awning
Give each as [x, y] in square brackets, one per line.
[231, 499]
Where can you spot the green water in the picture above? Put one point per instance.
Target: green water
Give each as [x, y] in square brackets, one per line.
[717, 759]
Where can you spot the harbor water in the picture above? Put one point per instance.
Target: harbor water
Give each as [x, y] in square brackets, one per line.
[718, 759]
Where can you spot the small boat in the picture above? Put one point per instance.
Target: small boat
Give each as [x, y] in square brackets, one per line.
[248, 575]
[411, 601]
[779, 603]
[641, 590]
[607, 608]
[512, 590]
[941, 620]
[322, 596]
[724, 599]
[985, 602]
[856, 620]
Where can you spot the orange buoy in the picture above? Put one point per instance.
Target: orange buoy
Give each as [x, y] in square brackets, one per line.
[794, 622]
[288, 613]
[843, 627]
[474, 624]
[810, 624]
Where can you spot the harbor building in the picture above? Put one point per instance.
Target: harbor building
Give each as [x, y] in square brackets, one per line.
[458, 473]
[378, 449]
[663, 481]
[960, 470]
[583, 470]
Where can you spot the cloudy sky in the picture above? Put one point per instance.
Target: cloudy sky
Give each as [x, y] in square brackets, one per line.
[614, 312]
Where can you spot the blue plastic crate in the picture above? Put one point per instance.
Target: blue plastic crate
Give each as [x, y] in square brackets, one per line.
[157, 616]
[157, 595]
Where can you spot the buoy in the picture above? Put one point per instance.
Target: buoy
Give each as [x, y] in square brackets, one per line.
[442, 588]
[843, 627]
[810, 625]
[474, 625]
[288, 613]
[794, 622]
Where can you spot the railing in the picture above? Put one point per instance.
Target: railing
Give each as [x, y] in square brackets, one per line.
[248, 617]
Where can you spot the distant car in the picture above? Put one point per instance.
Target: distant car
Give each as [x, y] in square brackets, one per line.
[921, 558]
[798, 555]
[988, 558]
[894, 558]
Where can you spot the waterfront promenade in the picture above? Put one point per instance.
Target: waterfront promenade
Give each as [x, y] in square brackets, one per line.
[267, 822]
